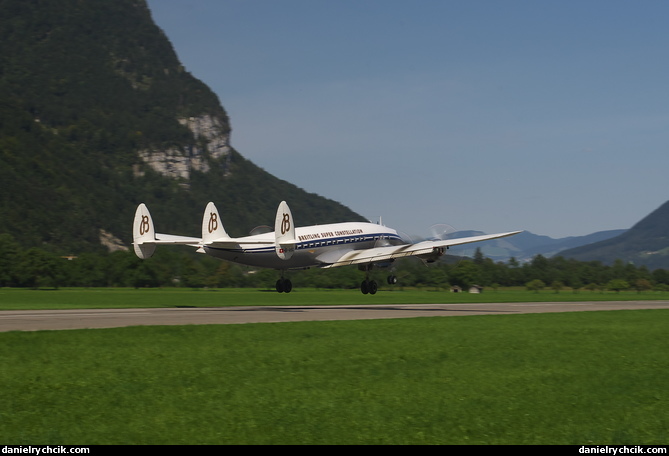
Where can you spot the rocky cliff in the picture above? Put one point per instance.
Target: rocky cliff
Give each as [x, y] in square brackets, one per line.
[211, 142]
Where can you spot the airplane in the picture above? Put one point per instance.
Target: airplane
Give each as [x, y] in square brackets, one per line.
[288, 247]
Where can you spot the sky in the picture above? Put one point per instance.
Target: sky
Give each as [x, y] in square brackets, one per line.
[487, 115]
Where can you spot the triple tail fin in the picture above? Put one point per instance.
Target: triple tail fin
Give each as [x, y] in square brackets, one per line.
[143, 233]
[212, 225]
[284, 232]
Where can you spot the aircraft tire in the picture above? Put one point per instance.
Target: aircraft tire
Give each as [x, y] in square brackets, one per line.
[369, 287]
[392, 280]
[284, 286]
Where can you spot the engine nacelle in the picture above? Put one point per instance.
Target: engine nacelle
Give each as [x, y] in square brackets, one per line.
[433, 256]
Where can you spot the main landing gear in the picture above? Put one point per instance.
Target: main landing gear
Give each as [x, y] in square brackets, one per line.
[367, 286]
[284, 285]
[371, 287]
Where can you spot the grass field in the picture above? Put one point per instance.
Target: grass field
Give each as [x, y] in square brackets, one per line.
[570, 378]
[82, 298]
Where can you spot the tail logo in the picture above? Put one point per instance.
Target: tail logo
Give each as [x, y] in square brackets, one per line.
[213, 222]
[285, 224]
[144, 225]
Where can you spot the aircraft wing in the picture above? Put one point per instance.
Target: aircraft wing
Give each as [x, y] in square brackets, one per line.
[398, 251]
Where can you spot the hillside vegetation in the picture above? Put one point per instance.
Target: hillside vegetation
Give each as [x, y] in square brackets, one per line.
[646, 243]
[93, 103]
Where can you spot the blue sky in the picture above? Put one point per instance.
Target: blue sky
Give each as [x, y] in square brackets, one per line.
[489, 115]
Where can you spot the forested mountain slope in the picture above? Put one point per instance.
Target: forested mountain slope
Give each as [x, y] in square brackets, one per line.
[646, 243]
[97, 115]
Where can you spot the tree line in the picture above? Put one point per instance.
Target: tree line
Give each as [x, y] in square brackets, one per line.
[35, 267]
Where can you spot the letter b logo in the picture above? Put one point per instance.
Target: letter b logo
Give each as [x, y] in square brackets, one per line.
[213, 222]
[144, 225]
[285, 224]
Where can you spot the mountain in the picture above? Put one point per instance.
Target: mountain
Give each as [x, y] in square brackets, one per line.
[646, 243]
[97, 115]
[526, 245]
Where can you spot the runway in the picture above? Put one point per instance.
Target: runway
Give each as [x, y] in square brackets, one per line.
[35, 320]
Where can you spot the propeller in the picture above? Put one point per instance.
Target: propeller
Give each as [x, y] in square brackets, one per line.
[262, 229]
[405, 237]
[441, 231]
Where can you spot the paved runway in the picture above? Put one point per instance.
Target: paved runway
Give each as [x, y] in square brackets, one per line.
[34, 320]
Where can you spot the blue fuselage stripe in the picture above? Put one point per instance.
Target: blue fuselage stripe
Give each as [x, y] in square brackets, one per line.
[306, 252]
[341, 240]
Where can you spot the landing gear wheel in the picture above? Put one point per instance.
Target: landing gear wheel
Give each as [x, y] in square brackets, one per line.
[369, 286]
[284, 286]
[392, 280]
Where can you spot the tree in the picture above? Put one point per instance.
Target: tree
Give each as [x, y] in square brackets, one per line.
[8, 250]
[37, 268]
[642, 285]
[478, 256]
[661, 276]
[535, 285]
[465, 274]
[618, 285]
[575, 284]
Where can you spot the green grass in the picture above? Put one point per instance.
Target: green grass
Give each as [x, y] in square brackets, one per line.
[83, 298]
[570, 378]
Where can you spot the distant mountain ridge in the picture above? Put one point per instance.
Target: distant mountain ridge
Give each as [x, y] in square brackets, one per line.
[646, 243]
[526, 245]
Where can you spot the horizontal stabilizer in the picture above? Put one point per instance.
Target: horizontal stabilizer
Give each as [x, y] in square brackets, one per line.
[177, 240]
[145, 238]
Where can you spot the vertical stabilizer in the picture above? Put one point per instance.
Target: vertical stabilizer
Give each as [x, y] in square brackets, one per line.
[143, 233]
[212, 225]
[284, 230]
